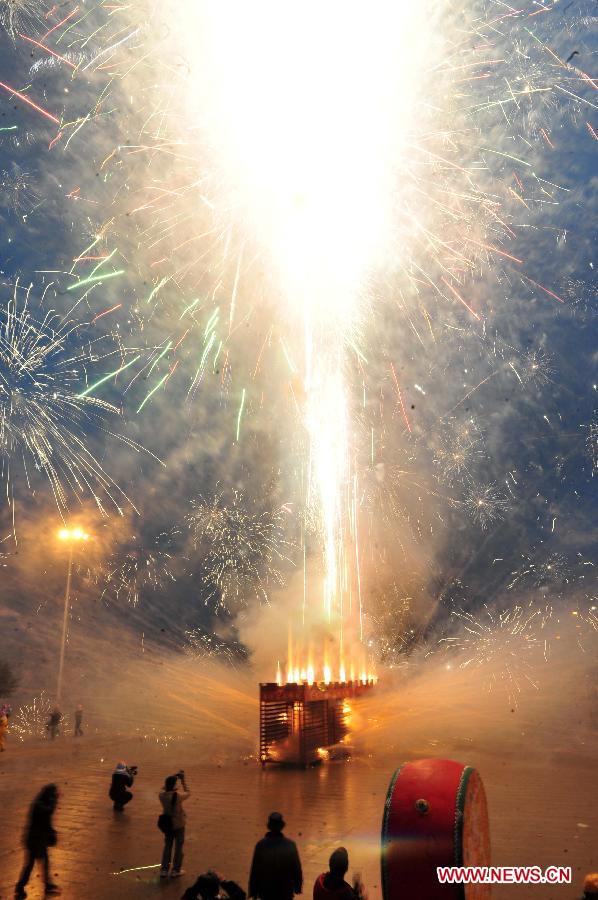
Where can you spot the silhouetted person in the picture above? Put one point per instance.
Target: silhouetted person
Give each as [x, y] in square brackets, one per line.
[78, 721]
[3, 730]
[276, 867]
[122, 780]
[211, 885]
[39, 835]
[172, 805]
[331, 885]
[590, 887]
[54, 722]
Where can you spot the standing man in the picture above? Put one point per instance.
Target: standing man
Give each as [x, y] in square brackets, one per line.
[39, 835]
[78, 720]
[172, 806]
[276, 868]
[53, 722]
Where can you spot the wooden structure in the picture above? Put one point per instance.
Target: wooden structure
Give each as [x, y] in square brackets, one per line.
[299, 721]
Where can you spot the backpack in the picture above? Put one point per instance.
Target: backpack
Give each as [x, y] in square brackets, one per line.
[165, 820]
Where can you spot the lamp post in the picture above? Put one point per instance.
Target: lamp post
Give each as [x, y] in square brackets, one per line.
[70, 536]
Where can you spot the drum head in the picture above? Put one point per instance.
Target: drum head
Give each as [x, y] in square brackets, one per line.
[435, 815]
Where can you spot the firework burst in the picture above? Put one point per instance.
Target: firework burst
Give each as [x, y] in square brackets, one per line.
[136, 571]
[30, 720]
[17, 16]
[504, 646]
[240, 550]
[16, 191]
[486, 504]
[46, 409]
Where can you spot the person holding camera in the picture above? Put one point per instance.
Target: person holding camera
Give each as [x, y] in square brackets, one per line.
[39, 835]
[122, 779]
[172, 824]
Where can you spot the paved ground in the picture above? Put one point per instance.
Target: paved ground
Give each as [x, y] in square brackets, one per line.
[535, 815]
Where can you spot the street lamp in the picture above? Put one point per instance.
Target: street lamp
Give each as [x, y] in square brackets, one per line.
[71, 537]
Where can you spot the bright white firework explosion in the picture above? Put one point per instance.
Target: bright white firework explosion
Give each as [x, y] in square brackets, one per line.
[47, 408]
[241, 550]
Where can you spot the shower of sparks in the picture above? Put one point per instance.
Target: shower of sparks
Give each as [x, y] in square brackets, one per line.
[22, 15]
[486, 504]
[134, 571]
[541, 573]
[505, 647]
[45, 422]
[31, 719]
[16, 191]
[459, 449]
[203, 646]
[240, 550]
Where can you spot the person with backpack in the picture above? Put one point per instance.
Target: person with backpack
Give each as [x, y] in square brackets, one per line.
[39, 835]
[172, 824]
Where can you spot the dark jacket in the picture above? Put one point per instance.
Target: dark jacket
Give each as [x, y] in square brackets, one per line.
[120, 782]
[327, 887]
[230, 888]
[39, 834]
[276, 868]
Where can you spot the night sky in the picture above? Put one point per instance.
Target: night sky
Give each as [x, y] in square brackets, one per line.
[478, 488]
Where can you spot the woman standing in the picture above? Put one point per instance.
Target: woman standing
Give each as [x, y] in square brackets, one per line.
[172, 806]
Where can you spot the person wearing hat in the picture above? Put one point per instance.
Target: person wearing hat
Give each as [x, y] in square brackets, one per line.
[590, 887]
[276, 868]
[122, 779]
[331, 885]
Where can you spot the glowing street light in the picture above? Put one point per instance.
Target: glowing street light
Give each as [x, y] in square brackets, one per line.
[71, 537]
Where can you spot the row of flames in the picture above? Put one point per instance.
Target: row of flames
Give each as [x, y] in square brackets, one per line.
[323, 675]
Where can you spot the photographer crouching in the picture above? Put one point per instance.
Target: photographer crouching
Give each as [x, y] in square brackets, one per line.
[122, 779]
[172, 824]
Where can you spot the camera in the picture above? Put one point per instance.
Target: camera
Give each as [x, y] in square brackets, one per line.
[181, 775]
[132, 770]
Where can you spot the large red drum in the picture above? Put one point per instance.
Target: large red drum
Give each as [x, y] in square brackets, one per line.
[435, 815]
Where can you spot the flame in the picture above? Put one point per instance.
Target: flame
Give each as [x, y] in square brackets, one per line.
[327, 674]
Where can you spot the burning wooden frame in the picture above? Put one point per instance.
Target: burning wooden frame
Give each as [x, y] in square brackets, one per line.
[299, 723]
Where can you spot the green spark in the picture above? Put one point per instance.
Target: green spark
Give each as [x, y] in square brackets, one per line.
[191, 306]
[153, 390]
[158, 288]
[217, 354]
[107, 377]
[93, 278]
[212, 322]
[508, 156]
[158, 358]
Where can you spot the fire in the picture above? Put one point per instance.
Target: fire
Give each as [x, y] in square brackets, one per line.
[324, 675]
